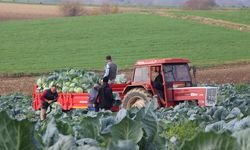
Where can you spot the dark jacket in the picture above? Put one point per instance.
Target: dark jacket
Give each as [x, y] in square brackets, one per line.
[47, 94]
[105, 96]
[158, 82]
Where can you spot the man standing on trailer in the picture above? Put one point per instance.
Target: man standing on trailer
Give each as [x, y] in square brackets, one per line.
[110, 70]
[48, 97]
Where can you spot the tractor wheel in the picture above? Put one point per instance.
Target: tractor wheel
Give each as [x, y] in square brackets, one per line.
[137, 97]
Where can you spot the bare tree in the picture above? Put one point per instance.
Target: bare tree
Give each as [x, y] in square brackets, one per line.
[73, 8]
[200, 4]
[107, 8]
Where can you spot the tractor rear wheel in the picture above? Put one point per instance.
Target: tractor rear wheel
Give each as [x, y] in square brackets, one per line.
[137, 97]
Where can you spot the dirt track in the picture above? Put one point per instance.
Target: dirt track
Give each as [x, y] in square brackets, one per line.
[237, 73]
[209, 21]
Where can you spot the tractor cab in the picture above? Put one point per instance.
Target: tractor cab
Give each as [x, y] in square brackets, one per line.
[169, 79]
[168, 76]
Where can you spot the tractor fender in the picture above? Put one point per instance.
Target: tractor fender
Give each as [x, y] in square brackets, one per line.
[128, 88]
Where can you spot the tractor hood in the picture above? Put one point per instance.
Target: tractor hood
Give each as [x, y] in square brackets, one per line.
[206, 96]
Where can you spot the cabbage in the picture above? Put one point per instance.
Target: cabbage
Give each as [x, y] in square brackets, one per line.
[40, 81]
[52, 83]
[71, 90]
[66, 83]
[76, 80]
[72, 85]
[78, 90]
[120, 79]
[65, 89]
[68, 80]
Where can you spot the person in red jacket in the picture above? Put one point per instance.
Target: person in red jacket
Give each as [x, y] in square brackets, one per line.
[48, 97]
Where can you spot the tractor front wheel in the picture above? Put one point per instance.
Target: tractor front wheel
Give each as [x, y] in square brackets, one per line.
[137, 97]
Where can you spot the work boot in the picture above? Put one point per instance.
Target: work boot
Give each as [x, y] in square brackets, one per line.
[43, 114]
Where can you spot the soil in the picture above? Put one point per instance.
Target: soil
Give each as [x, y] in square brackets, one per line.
[15, 11]
[12, 85]
[234, 73]
[11, 11]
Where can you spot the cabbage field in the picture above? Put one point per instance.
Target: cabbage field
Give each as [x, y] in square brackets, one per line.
[222, 127]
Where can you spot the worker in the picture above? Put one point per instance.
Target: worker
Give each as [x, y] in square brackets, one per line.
[48, 97]
[105, 95]
[92, 98]
[110, 69]
[158, 84]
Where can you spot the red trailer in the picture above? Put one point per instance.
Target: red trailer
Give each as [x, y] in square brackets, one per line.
[74, 100]
[177, 87]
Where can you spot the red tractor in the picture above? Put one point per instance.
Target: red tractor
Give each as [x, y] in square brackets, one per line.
[176, 81]
[168, 78]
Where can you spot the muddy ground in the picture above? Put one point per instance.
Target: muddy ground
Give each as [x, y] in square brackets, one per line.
[236, 73]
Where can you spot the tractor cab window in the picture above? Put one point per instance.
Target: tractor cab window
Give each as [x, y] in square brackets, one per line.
[176, 72]
[141, 74]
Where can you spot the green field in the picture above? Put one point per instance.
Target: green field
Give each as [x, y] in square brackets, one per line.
[83, 42]
[238, 15]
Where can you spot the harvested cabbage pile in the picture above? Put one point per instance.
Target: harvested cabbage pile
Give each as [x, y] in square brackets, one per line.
[69, 81]
[73, 80]
[120, 78]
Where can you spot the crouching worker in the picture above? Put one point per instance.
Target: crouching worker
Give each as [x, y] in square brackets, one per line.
[92, 98]
[105, 95]
[48, 97]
